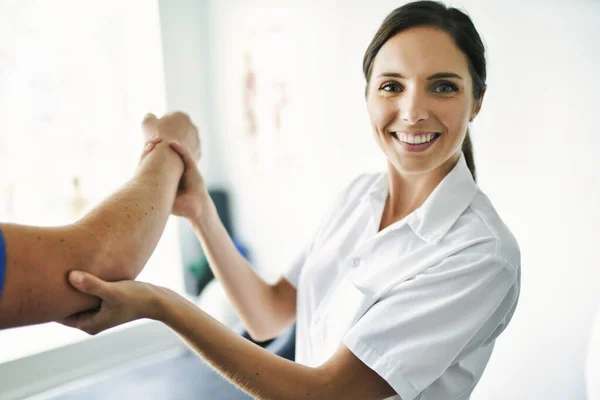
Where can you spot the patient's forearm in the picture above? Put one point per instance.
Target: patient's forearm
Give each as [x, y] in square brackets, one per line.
[113, 241]
[129, 223]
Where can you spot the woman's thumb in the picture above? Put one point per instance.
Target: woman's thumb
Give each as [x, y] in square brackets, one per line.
[86, 283]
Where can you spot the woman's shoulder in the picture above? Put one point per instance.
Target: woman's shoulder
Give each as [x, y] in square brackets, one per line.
[481, 220]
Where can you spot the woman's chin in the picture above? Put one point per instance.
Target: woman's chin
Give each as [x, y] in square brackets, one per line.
[413, 166]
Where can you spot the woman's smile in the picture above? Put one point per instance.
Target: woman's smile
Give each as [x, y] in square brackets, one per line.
[416, 141]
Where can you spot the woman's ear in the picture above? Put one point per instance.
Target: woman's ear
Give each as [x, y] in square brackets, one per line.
[478, 103]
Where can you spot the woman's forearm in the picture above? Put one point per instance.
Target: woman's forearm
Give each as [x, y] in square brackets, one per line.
[253, 369]
[252, 297]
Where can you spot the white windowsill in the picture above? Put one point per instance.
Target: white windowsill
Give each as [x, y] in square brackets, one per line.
[41, 372]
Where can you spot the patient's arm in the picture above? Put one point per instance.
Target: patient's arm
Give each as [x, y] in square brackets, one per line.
[113, 241]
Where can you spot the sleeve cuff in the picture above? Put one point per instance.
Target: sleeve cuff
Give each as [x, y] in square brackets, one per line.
[291, 277]
[380, 364]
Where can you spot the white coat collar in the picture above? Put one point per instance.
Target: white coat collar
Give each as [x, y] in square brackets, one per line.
[442, 208]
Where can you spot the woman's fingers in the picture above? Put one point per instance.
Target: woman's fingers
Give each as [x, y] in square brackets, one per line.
[188, 160]
[95, 322]
[73, 320]
[83, 320]
[154, 141]
[109, 313]
[121, 302]
[150, 145]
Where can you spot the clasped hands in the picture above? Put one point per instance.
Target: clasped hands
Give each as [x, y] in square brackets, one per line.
[129, 300]
[178, 131]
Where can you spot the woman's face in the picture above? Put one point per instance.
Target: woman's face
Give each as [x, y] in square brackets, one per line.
[420, 100]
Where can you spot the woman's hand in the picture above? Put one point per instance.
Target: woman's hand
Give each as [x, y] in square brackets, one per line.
[175, 126]
[149, 146]
[121, 302]
[192, 194]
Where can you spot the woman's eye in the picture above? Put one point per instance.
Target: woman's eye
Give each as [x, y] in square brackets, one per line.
[445, 88]
[391, 87]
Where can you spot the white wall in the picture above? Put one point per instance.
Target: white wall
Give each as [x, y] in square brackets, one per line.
[186, 45]
[535, 141]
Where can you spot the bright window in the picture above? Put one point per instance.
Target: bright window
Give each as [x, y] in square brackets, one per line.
[76, 78]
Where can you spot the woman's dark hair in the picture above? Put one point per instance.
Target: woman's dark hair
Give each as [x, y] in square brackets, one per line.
[452, 21]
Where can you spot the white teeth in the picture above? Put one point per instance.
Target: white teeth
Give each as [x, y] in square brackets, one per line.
[418, 139]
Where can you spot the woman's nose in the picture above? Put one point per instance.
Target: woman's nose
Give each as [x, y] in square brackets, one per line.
[413, 108]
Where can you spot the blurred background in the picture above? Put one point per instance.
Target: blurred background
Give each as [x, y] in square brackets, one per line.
[276, 88]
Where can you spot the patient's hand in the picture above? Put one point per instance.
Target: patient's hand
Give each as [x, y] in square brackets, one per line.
[175, 126]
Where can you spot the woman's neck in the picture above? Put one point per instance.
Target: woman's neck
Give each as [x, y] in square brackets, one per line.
[409, 192]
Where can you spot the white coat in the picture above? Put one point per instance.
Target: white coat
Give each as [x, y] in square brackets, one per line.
[420, 302]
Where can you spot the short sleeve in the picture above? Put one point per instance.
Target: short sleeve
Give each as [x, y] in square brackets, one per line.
[2, 262]
[423, 325]
[292, 274]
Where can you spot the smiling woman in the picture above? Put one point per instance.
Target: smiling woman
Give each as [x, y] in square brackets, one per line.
[411, 276]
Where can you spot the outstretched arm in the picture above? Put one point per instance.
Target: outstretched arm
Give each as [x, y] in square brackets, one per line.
[250, 367]
[114, 240]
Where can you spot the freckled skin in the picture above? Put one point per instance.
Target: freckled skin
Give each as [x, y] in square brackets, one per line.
[36, 288]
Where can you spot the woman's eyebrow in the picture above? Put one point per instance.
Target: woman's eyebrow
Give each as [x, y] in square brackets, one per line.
[439, 75]
[391, 75]
[444, 75]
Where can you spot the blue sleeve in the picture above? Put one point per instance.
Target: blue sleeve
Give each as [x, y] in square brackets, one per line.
[2, 262]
